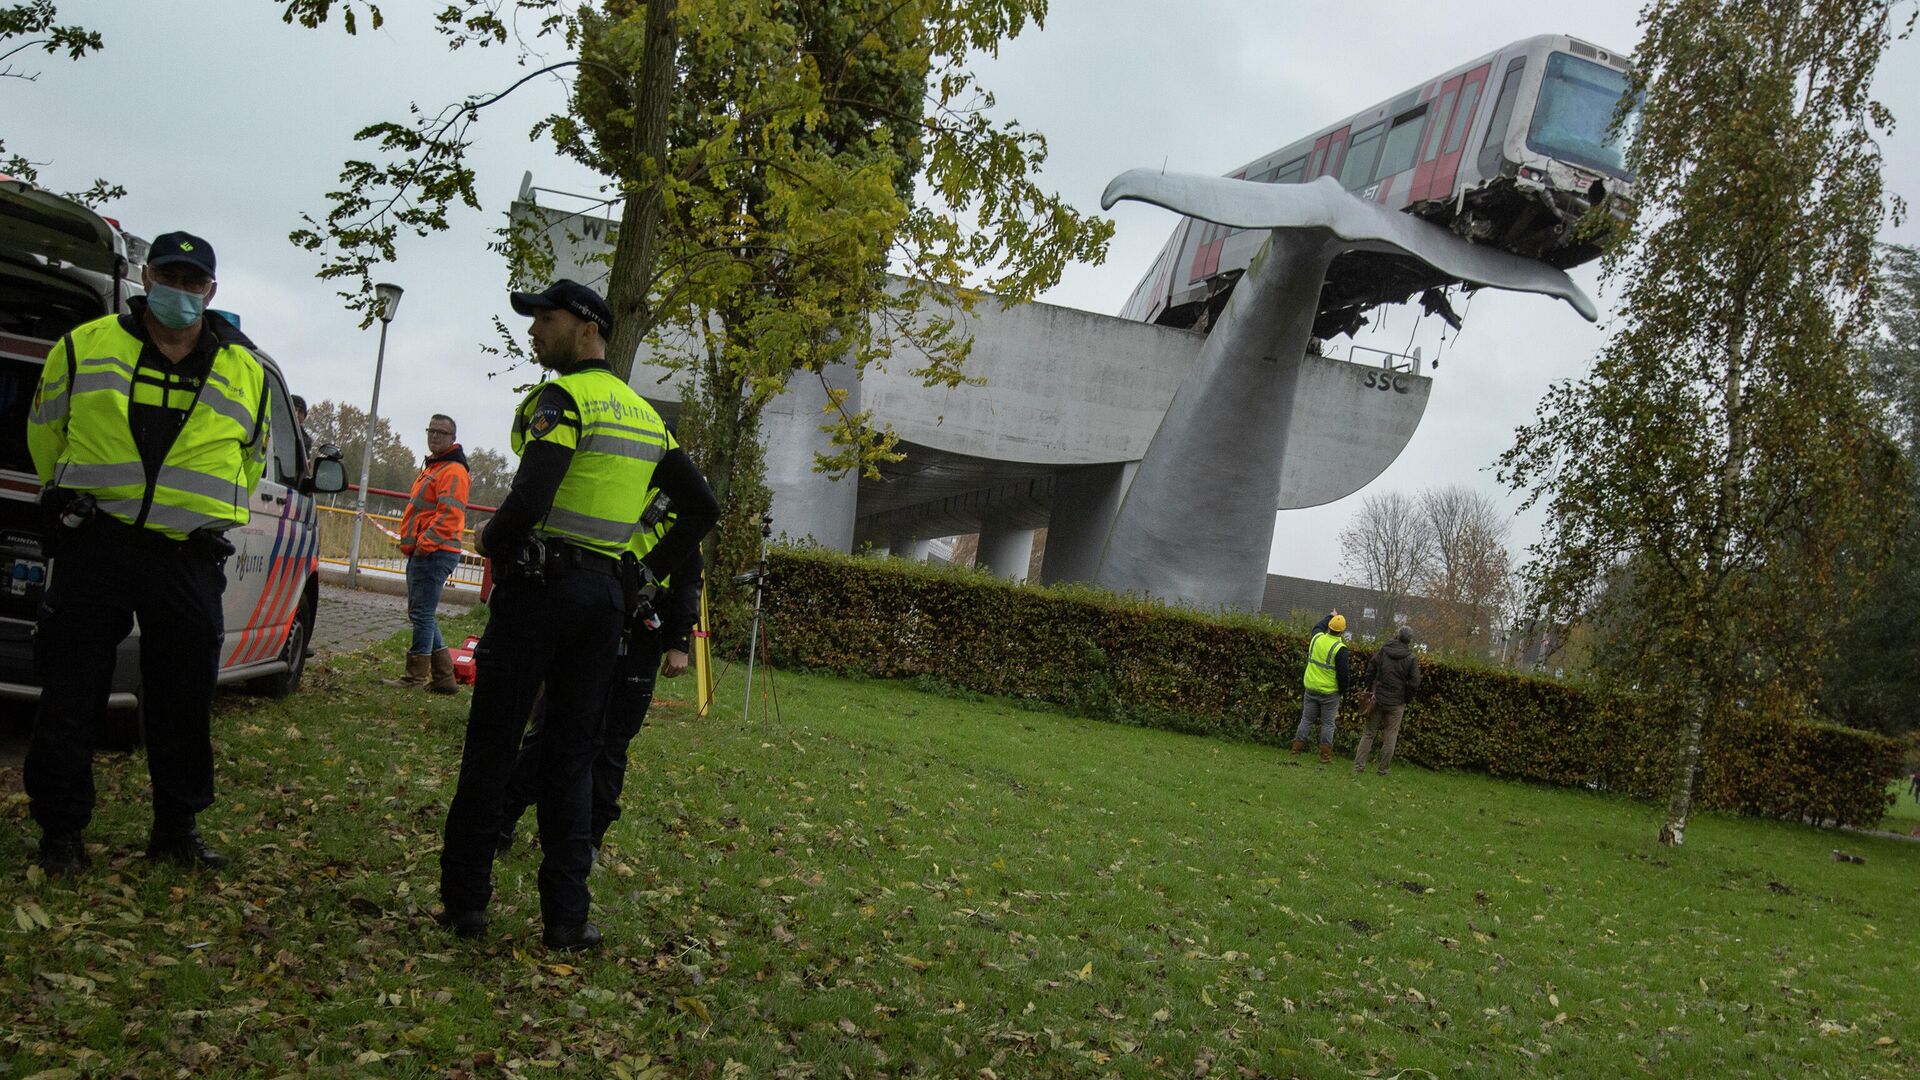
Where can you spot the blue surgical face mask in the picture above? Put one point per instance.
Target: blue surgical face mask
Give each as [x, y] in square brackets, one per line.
[176, 308]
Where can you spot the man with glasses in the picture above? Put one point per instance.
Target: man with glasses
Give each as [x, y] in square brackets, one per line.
[430, 539]
[149, 432]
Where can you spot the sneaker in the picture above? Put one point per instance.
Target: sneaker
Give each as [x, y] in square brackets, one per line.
[464, 924]
[62, 853]
[183, 848]
[572, 938]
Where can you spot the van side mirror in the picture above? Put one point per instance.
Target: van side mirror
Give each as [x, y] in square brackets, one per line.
[328, 475]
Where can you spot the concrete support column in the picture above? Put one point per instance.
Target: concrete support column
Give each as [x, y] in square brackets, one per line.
[907, 546]
[1007, 552]
[807, 503]
[1084, 502]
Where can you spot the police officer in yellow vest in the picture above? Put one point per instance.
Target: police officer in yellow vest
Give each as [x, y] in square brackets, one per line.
[590, 451]
[1329, 674]
[657, 643]
[149, 432]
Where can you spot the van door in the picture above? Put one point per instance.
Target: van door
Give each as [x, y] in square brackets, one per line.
[273, 549]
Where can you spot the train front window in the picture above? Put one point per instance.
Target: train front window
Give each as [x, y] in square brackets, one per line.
[1572, 121]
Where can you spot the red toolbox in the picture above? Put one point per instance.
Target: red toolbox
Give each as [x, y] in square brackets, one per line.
[463, 660]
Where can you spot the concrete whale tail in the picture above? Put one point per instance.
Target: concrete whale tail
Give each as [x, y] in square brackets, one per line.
[1366, 226]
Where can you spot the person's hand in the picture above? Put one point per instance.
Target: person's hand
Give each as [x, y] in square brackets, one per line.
[674, 664]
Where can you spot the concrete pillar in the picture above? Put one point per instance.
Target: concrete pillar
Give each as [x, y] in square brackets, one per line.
[1084, 502]
[1007, 552]
[907, 546]
[808, 503]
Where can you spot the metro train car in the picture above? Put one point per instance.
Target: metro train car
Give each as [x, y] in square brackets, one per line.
[1509, 149]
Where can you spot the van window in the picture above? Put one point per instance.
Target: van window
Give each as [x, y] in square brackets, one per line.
[289, 451]
[40, 305]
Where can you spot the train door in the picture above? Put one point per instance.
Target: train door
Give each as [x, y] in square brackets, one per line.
[1446, 166]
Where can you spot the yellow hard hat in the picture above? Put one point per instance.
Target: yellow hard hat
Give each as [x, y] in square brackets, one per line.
[1337, 624]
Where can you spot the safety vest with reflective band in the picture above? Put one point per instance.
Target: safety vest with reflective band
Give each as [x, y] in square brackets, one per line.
[1322, 677]
[437, 507]
[618, 441]
[81, 437]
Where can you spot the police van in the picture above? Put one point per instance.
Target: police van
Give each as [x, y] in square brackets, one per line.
[61, 265]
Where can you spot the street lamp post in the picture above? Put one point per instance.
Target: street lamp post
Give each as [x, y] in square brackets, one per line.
[389, 298]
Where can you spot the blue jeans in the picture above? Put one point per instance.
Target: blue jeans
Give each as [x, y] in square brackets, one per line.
[426, 576]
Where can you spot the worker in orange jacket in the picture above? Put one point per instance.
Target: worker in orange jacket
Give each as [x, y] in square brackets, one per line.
[430, 538]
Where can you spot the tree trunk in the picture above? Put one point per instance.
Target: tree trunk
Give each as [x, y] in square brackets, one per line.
[630, 283]
[1687, 752]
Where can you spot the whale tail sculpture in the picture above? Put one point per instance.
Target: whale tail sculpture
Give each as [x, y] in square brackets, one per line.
[1197, 522]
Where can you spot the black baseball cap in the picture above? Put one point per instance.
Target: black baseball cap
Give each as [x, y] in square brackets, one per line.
[181, 247]
[566, 295]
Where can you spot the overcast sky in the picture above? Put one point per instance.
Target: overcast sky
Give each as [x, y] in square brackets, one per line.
[223, 121]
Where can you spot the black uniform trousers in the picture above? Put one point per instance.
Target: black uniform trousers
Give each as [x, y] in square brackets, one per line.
[627, 703]
[564, 635]
[104, 575]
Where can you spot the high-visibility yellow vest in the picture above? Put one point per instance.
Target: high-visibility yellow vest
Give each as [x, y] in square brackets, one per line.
[81, 438]
[619, 440]
[1322, 677]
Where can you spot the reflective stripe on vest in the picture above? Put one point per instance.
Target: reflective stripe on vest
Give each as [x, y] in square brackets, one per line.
[209, 472]
[605, 490]
[1322, 676]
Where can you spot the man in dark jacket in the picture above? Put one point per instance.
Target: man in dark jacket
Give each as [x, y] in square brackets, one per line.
[1396, 675]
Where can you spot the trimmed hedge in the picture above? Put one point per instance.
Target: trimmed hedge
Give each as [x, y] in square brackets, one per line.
[1238, 677]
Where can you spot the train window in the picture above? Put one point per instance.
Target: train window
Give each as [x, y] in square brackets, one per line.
[1290, 173]
[1494, 145]
[1573, 120]
[1468, 98]
[1438, 127]
[1403, 142]
[1361, 154]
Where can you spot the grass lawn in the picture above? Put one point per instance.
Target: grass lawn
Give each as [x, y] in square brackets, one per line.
[1905, 813]
[888, 881]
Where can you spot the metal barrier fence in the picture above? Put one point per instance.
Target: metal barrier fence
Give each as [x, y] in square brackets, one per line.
[380, 545]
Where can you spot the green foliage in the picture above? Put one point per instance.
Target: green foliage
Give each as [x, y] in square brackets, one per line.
[1877, 637]
[1135, 662]
[1724, 437]
[41, 17]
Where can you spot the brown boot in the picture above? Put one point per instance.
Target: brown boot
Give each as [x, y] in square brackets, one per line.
[419, 670]
[441, 665]
[1326, 753]
[1297, 747]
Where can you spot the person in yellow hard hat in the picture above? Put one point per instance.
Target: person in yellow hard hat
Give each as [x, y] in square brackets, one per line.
[1329, 673]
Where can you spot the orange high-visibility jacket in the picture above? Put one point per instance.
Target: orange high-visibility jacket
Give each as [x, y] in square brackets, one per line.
[437, 508]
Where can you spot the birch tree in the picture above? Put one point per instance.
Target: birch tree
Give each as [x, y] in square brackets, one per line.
[1723, 442]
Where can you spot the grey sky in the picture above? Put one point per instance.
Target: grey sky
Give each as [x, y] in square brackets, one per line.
[221, 120]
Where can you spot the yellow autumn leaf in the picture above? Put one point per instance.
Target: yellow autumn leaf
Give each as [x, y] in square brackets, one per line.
[1086, 972]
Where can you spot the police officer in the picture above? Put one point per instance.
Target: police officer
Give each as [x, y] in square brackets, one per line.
[659, 647]
[148, 431]
[590, 449]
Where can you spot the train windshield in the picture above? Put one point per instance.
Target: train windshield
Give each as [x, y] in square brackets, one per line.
[1572, 120]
